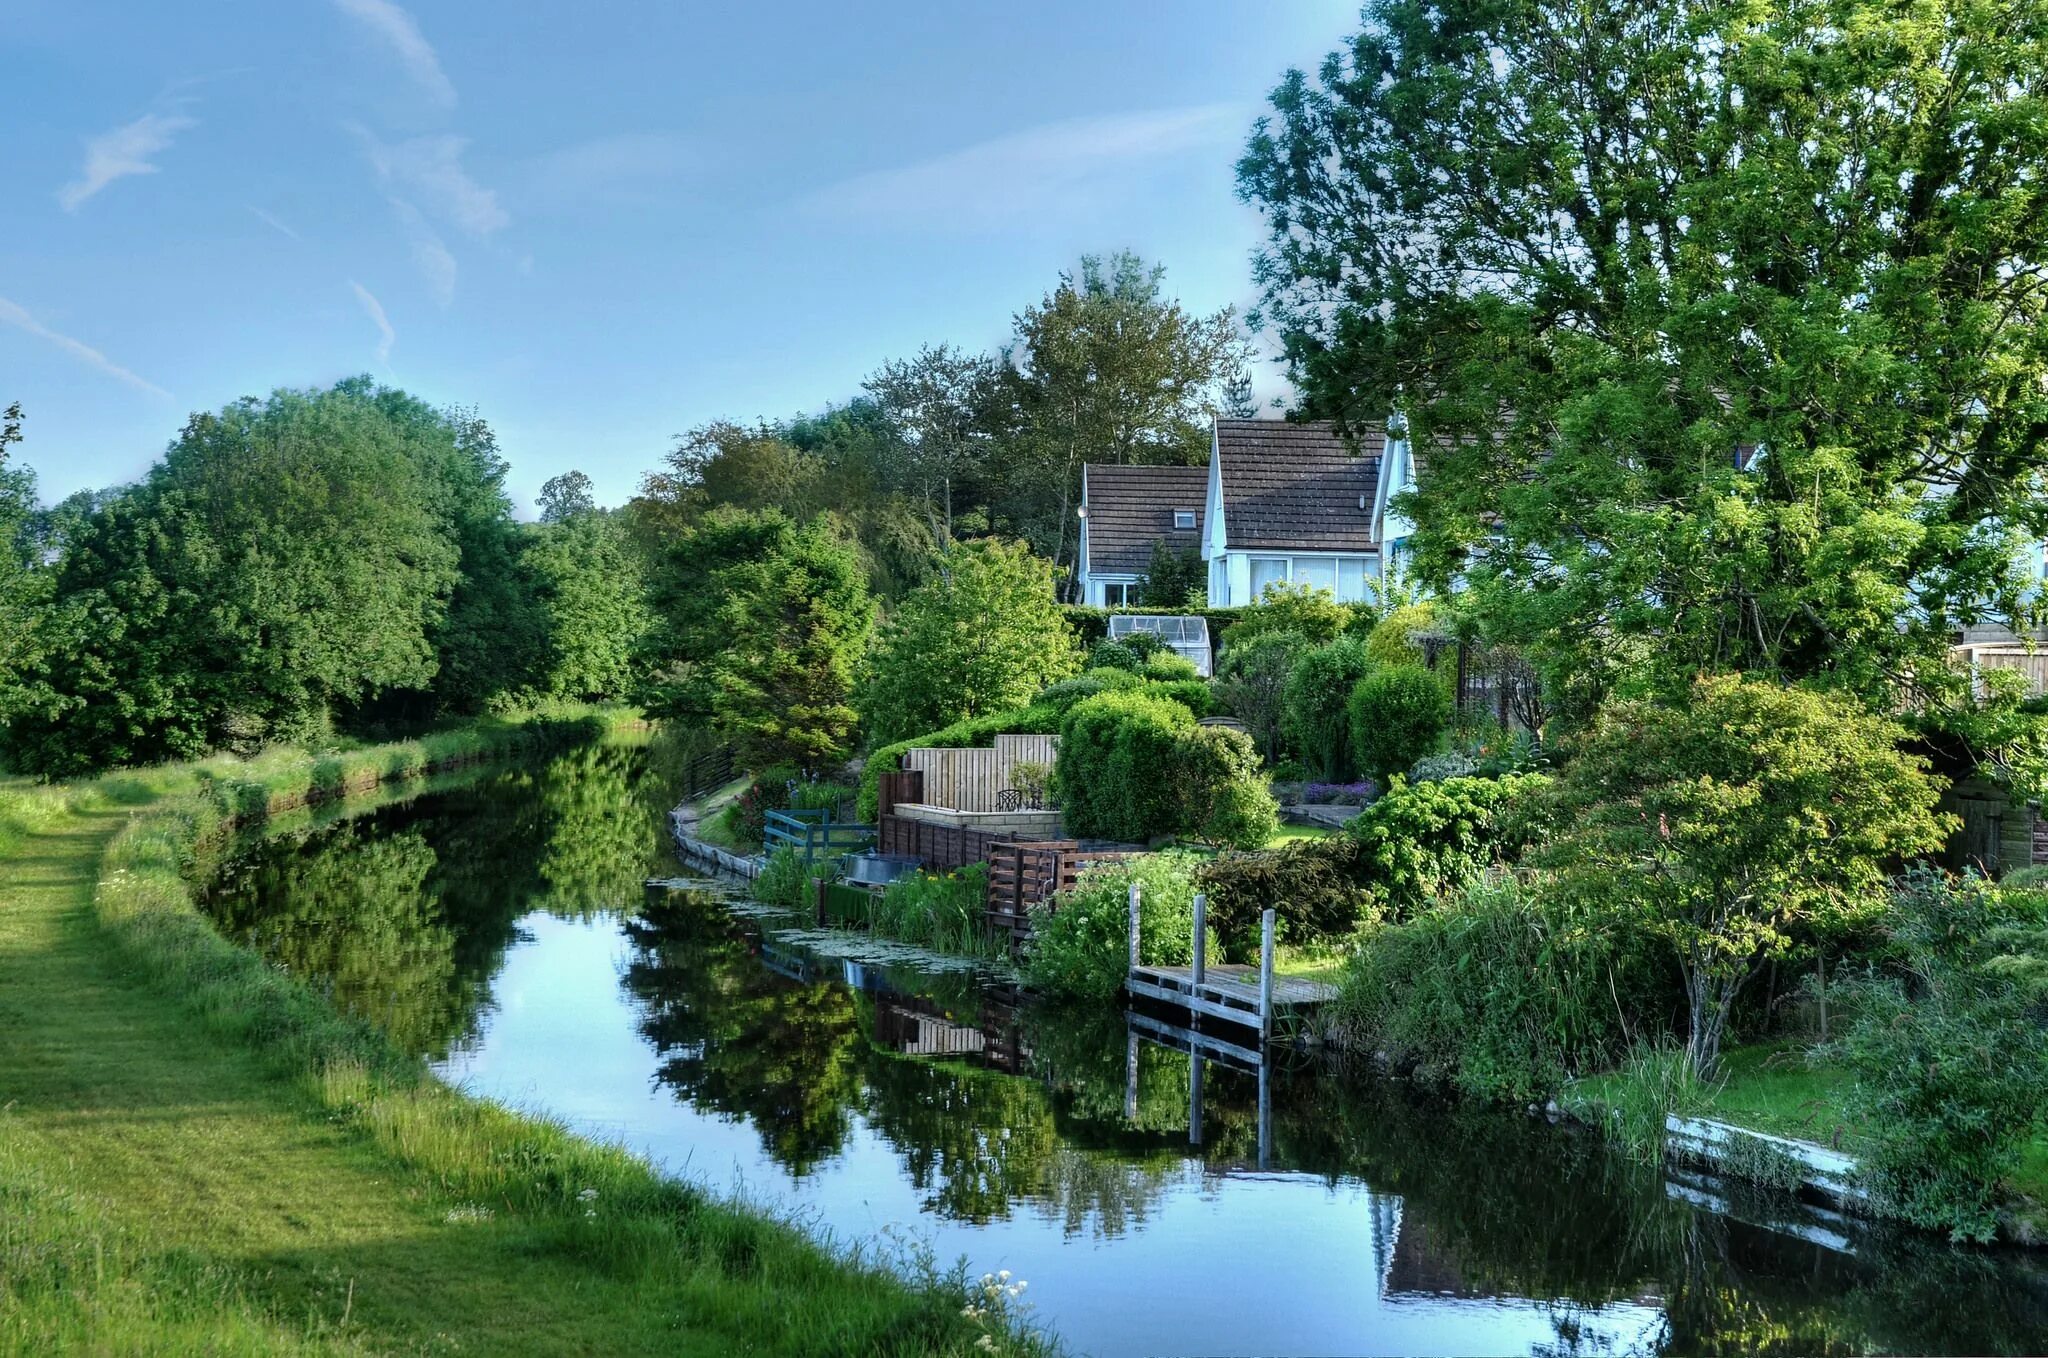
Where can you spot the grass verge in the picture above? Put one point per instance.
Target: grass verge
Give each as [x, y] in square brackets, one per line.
[199, 1155]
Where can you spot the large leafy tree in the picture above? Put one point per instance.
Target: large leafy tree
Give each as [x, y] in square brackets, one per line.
[1731, 818]
[687, 590]
[983, 636]
[23, 585]
[565, 496]
[1105, 369]
[592, 600]
[795, 624]
[288, 556]
[939, 403]
[1719, 322]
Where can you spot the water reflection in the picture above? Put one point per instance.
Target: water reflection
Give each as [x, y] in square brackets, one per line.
[1155, 1202]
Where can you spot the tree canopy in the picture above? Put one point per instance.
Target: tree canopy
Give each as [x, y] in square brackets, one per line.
[1718, 324]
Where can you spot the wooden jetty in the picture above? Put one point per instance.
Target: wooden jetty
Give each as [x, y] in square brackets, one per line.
[1252, 998]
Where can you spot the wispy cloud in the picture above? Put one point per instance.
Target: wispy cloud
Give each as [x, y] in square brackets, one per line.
[274, 224]
[398, 31]
[1027, 175]
[626, 165]
[121, 152]
[13, 314]
[429, 252]
[375, 308]
[429, 170]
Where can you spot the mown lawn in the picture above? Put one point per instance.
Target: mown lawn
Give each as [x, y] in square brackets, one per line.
[172, 1183]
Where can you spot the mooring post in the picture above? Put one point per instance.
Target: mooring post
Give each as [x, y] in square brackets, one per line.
[1131, 1076]
[1265, 1110]
[1134, 928]
[1266, 977]
[1195, 1097]
[1201, 938]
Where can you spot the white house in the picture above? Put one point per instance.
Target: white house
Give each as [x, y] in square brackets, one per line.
[1278, 502]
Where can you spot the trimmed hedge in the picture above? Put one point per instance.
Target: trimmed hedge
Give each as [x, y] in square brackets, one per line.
[1397, 714]
[1119, 757]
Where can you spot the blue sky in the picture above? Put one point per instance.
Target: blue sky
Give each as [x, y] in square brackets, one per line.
[600, 224]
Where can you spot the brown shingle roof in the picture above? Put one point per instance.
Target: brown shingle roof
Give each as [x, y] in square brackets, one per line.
[1298, 486]
[1130, 508]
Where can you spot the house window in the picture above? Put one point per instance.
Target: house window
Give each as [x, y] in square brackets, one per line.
[1267, 570]
[1117, 593]
[1183, 518]
[1351, 578]
[1316, 573]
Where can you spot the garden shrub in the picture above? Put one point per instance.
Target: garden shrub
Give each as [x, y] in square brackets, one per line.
[1222, 789]
[1949, 1073]
[1420, 841]
[1193, 694]
[1067, 692]
[1397, 714]
[1313, 705]
[1251, 684]
[1393, 639]
[1312, 885]
[1080, 941]
[1114, 778]
[1169, 667]
[1308, 612]
[1116, 655]
[1497, 993]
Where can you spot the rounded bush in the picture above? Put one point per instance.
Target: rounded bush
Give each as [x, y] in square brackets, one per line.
[1313, 707]
[1115, 775]
[1397, 715]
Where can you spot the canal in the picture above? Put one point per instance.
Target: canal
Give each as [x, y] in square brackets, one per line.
[502, 928]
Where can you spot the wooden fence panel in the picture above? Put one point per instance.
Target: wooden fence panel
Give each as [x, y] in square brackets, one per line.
[972, 779]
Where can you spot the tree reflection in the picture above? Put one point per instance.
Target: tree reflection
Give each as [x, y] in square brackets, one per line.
[736, 1038]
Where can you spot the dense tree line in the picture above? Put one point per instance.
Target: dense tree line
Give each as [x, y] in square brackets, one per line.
[318, 557]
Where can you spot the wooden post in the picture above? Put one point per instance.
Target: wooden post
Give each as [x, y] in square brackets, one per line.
[1134, 928]
[818, 900]
[1265, 1111]
[1131, 1076]
[1266, 977]
[1194, 1096]
[1201, 938]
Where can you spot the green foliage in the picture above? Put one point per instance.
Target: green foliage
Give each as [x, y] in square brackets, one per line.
[1091, 624]
[787, 880]
[1653, 1083]
[564, 496]
[1126, 653]
[796, 623]
[1115, 775]
[1495, 993]
[1310, 613]
[983, 635]
[1949, 1062]
[1314, 886]
[1398, 714]
[1596, 308]
[943, 911]
[1174, 579]
[687, 580]
[287, 557]
[1393, 639]
[1081, 943]
[593, 607]
[1315, 720]
[1222, 789]
[1420, 842]
[1728, 820]
[1087, 684]
[1251, 684]
[1170, 667]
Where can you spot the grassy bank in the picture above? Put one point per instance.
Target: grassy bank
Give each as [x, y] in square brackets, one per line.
[198, 1154]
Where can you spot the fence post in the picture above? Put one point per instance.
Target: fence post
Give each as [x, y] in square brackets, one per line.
[1201, 937]
[1134, 928]
[818, 885]
[1266, 977]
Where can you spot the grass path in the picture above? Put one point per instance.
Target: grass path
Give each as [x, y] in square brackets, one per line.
[164, 1189]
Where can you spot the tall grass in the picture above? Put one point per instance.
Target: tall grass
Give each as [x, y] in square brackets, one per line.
[715, 1259]
[943, 911]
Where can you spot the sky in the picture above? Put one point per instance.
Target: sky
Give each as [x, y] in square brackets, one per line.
[599, 224]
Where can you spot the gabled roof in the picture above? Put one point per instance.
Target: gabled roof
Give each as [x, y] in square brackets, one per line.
[1130, 508]
[1299, 486]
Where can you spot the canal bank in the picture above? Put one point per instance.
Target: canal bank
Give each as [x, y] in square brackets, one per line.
[1141, 1192]
[201, 1155]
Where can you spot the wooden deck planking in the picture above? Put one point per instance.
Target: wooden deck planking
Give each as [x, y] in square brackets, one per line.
[1233, 983]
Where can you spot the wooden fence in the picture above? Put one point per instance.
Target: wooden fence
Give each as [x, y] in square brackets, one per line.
[942, 848]
[2033, 665]
[1022, 875]
[971, 780]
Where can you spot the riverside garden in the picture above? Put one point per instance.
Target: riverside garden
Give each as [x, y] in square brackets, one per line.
[1656, 833]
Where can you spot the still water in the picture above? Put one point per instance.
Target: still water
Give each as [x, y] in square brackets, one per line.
[501, 928]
